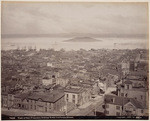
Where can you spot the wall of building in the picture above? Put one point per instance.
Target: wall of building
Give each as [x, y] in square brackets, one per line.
[17, 103]
[112, 110]
[46, 81]
[86, 96]
[137, 94]
[125, 67]
[69, 97]
[129, 109]
[128, 86]
[78, 99]
[10, 100]
[134, 111]
[137, 83]
[140, 112]
[4, 101]
[62, 82]
[40, 106]
[59, 105]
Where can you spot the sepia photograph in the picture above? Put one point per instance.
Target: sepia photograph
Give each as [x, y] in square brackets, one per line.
[74, 60]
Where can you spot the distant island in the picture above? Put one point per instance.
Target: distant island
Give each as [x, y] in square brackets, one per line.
[82, 39]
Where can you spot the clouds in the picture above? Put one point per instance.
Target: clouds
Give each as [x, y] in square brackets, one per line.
[56, 18]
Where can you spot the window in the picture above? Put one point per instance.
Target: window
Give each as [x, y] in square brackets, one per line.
[50, 105]
[141, 97]
[45, 109]
[122, 94]
[67, 95]
[107, 106]
[127, 86]
[118, 113]
[73, 96]
[118, 107]
[53, 76]
[107, 112]
[78, 96]
[73, 100]
[141, 111]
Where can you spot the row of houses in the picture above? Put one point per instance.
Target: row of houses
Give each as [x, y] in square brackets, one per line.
[122, 106]
[50, 98]
[131, 98]
[134, 87]
[37, 101]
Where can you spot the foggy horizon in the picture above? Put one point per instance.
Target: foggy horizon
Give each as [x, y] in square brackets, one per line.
[74, 18]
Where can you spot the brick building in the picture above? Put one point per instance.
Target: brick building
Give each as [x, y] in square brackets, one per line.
[77, 95]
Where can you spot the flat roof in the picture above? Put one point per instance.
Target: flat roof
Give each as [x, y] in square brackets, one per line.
[74, 90]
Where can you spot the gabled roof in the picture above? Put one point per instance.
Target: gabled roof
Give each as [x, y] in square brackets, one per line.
[47, 97]
[135, 78]
[117, 100]
[139, 73]
[136, 103]
[22, 96]
[127, 82]
[74, 90]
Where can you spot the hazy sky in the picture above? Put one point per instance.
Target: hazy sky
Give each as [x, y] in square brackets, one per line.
[56, 18]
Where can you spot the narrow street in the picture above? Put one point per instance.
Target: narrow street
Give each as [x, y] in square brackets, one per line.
[87, 108]
[93, 105]
[83, 110]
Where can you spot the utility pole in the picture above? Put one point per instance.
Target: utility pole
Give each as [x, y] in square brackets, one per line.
[123, 100]
[95, 110]
[66, 108]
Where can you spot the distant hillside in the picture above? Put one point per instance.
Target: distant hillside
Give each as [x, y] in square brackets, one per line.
[83, 39]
